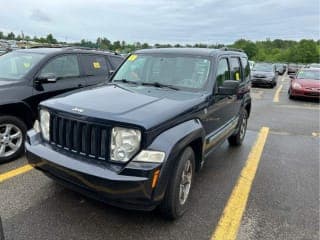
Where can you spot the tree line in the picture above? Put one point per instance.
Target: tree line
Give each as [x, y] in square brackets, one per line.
[277, 50]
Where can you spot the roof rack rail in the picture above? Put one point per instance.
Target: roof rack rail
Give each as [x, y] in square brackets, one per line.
[88, 48]
[47, 46]
[231, 49]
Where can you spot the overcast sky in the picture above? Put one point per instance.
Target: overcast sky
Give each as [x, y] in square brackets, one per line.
[162, 21]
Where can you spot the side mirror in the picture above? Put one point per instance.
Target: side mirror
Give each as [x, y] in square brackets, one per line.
[292, 76]
[110, 73]
[229, 87]
[46, 78]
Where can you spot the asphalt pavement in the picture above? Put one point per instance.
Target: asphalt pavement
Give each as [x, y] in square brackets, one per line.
[282, 202]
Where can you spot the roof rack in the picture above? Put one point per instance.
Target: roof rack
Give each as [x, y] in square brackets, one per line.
[47, 46]
[68, 47]
[88, 48]
[231, 49]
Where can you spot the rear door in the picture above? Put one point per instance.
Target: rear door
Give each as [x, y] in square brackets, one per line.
[217, 114]
[67, 71]
[95, 68]
[237, 73]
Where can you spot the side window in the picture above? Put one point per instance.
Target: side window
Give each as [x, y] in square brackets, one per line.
[246, 68]
[61, 67]
[94, 65]
[223, 72]
[115, 61]
[236, 73]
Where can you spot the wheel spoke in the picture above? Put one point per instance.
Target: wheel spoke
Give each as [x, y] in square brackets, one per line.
[186, 178]
[13, 146]
[2, 149]
[15, 135]
[8, 129]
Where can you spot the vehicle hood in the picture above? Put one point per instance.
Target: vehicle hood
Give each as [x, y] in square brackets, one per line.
[144, 106]
[13, 91]
[4, 83]
[262, 74]
[308, 83]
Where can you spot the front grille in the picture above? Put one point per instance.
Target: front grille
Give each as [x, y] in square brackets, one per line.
[312, 94]
[80, 137]
[259, 76]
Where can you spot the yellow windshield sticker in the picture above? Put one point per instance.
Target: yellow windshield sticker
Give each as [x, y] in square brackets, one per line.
[26, 65]
[96, 65]
[237, 76]
[132, 57]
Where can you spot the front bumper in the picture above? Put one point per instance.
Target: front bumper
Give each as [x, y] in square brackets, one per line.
[127, 187]
[305, 93]
[262, 81]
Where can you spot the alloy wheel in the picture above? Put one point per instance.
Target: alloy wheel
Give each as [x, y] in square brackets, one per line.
[10, 139]
[185, 183]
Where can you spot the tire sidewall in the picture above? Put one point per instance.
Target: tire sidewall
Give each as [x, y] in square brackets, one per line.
[244, 116]
[187, 154]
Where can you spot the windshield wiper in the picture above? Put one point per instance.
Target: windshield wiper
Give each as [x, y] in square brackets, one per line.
[159, 85]
[125, 81]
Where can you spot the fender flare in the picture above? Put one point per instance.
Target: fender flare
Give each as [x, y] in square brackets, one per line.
[172, 142]
[19, 109]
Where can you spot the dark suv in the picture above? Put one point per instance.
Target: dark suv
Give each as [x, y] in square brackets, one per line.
[29, 76]
[137, 141]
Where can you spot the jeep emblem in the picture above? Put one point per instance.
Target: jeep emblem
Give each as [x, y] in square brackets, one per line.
[79, 110]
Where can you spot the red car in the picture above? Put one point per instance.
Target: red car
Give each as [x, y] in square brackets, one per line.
[305, 84]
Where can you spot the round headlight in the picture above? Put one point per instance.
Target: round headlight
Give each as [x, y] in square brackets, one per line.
[45, 124]
[296, 85]
[125, 143]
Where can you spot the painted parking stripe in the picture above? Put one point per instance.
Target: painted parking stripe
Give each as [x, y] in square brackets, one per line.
[277, 94]
[229, 223]
[15, 172]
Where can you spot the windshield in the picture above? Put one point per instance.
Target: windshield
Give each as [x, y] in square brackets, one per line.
[315, 75]
[263, 67]
[15, 65]
[189, 72]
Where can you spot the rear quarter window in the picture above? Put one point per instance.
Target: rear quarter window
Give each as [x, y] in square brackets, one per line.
[115, 61]
[94, 65]
[246, 68]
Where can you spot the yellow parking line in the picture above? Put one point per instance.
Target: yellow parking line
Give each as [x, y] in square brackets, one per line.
[277, 94]
[229, 223]
[15, 172]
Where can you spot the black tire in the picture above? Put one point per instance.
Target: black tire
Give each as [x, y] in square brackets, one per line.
[18, 125]
[171, 206]
[237, 139]
[290, 95]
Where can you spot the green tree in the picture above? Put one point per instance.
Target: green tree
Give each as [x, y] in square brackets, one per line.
[11, 36]
[50, 39]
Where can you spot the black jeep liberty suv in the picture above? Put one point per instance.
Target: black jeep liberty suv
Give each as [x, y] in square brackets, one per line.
[137, 141]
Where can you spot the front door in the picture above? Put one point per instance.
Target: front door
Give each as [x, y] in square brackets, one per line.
[67, 72]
